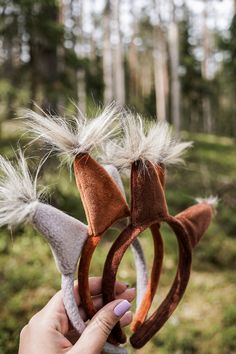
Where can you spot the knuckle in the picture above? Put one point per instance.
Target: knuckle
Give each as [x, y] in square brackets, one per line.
[34, 321]
[104, 324]
[23, 331]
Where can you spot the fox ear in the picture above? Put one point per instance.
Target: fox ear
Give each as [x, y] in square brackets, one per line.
[65, 234]
[196, 220]
[102, 199]
[148, 199]
[161, 170]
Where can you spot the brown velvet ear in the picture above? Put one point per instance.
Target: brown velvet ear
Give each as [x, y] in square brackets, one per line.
[161, 170]
[103, 202]
[196, 220]
[148, 200]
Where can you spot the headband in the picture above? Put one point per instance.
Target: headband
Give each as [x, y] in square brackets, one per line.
[188, 226]
[148, 151]
[102, 197]
[148, 207]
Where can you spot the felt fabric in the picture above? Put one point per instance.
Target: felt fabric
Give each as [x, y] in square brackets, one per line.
[141, 271]
[67, 287]
[66, 237]
[102, 199]
[65, 234]
[112, 349]
[142, 216]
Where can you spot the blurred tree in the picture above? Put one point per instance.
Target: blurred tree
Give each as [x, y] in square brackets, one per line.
[79, 50]
[191, 78]
[206, 45]
[173, 40]
[118, 55]
[160, 65]
[228, 45]
[107, 54]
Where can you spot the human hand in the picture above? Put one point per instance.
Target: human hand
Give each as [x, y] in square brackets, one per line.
[50, 332]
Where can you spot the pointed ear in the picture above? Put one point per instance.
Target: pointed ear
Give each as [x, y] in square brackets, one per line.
[161, 170]
[196, 220]
[65, 234]
[148, 203]
[102, 199]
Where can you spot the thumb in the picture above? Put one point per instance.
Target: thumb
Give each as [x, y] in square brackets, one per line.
[96, 333]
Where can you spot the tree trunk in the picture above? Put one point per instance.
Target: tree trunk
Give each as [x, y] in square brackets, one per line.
[206, 104]
[174, 67]
[159, 55]
[118, 58]
[135, 71]
[61, 60]
[107, 54]
[80, 74]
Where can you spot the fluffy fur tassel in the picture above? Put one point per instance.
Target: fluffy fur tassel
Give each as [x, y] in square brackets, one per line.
[70, 138]
[18, 192]
[213, 201]
[156, 143]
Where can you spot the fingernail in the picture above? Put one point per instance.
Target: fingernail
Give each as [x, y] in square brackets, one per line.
[132, 289]
[122, 308]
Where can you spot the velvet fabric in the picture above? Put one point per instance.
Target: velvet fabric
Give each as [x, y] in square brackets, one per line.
[188, 228]
[143, 179]
[139, 258]
[104, 204]
[102, 200]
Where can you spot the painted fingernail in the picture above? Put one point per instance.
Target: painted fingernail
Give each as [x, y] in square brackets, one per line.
[122, 308]
[132, 289]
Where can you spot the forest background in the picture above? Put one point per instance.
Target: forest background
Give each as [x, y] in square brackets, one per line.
[169, 60]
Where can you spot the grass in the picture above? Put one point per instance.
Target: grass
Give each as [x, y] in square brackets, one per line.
[205, 321]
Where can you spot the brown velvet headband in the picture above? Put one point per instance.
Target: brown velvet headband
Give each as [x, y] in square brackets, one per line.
[104, 204]
[188, 228]
[88, 177]
[148, 208]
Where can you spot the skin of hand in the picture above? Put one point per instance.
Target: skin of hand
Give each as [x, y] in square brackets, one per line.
[50, 332]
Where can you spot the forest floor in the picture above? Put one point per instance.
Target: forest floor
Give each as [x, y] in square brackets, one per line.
[205, 321]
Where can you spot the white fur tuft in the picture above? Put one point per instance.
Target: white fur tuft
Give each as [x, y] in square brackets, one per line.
[18, 192]
[213, 201]
[156, 143]
[70, 138]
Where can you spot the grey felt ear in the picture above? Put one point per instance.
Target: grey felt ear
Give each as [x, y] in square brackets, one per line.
[65, 234]
[139, 258]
